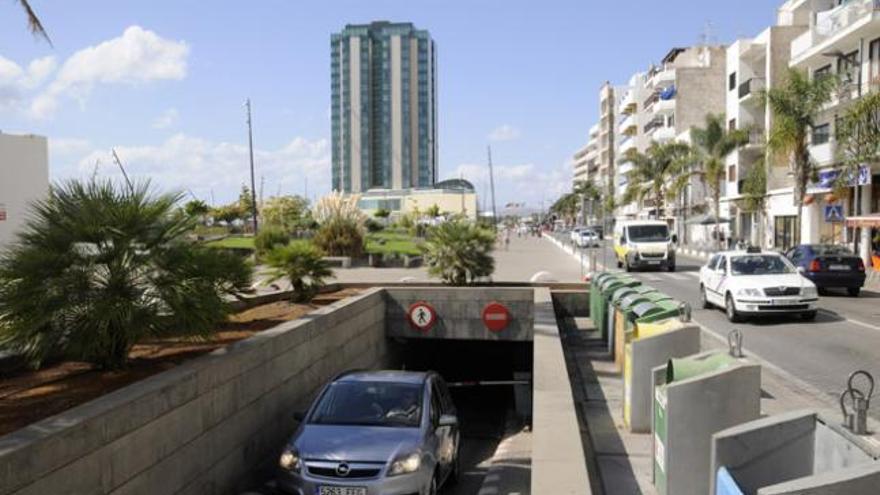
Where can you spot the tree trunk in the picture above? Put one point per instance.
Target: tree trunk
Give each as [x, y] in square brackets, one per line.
[716, 198]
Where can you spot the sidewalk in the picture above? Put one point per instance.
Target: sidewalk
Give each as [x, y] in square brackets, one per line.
[621, 461]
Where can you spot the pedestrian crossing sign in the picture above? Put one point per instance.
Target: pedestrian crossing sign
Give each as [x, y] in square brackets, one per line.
[833, 213]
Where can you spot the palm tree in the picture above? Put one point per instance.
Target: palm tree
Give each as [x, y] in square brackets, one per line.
[459, 252]
[795, 107]
[303, 264]
[98, 268]
[656, 173]
[710, 145]
[586, 190]
[34, 24]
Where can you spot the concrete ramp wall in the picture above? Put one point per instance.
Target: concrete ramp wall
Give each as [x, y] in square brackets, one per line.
[459, 312]
[200, 428]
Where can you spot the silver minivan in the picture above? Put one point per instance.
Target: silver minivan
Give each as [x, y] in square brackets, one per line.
[374, 433]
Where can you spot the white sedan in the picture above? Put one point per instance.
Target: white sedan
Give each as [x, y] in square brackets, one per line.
[587, 238]
[754, 283]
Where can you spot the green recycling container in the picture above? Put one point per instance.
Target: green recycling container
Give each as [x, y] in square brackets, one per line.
[614, 305]
[622, 315]
[678, 369]
[669, 308]
[608, 287]
[596, 293]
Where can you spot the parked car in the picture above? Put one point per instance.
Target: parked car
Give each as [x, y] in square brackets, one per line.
[752, 283]
[829, 266]
[575, 233]
[587, 238]
[374, 432]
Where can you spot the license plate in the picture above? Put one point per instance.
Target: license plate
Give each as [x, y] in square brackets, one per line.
[652, 262]
[783, 302]
[342, 490]
[839, 268]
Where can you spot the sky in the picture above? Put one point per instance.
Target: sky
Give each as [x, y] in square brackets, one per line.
[164, 81]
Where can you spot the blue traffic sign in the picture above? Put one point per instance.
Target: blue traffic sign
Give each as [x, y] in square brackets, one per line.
[833, 213]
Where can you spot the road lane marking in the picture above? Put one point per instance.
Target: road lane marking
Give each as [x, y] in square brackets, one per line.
[850, 320]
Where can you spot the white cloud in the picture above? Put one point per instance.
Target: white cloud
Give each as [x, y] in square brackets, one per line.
[167, 119]
[190, 163]
[505, 132]
[523, 183]
[16, 81]
[138, 56]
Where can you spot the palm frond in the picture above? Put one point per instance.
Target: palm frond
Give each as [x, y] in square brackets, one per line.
[34, 24]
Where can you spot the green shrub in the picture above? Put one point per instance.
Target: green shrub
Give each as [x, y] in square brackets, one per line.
[374, 226]
[99, 268]
[268, 237]
[303, 265]
[340, 237]
[459, 252]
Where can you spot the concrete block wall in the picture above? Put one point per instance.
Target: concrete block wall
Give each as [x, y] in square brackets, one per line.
[202, 427]
[459, 312]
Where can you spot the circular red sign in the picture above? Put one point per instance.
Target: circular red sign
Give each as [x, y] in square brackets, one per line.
[496, 317]
[421, 316]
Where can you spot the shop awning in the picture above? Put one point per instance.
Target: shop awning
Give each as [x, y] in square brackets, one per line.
[706, 219]
[867, 221]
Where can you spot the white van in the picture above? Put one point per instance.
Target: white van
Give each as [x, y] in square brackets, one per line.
[644, 244]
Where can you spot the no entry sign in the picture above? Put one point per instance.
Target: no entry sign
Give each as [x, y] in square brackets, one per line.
[422, 316]
[496, 317]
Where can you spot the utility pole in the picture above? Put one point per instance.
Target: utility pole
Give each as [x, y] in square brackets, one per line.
[492, 186]
[119, 162]
[251, 149]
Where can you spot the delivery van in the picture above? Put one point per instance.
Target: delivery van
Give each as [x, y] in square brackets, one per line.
[642, 244]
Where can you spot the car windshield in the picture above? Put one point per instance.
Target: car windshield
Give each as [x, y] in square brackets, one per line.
[370, 404]
[648, 233]
[829, 249]
[764, 264]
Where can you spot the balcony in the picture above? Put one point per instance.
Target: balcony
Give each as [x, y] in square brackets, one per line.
[831, 26]
[749, 89]
[626, 145]
[628, 125]
[655, 123]
[664, 134]
[664, 107]
[662, 77]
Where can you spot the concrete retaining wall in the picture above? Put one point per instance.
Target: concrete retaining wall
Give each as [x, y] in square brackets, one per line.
[459, 312]
[199, 428]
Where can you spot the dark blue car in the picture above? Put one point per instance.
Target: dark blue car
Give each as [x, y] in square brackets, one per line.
[829, 266]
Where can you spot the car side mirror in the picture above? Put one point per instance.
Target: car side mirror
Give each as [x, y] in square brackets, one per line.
[674, 238]
[622, 241]
[801, 270]
[299, 416]
[447, 420]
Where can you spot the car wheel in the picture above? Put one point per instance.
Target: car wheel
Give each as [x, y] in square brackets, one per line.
[853, 291]
[809, 315]
[455, 474]
[704, 299]
[822, 291]
[433, 488]
[730, 309]
[670, 268]
[619, 264]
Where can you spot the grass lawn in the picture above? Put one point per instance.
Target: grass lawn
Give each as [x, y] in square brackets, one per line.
[395, 243]
[233, 242]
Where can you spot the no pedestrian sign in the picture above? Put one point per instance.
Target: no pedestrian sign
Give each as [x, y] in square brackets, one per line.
[496, 317]
[422, 316]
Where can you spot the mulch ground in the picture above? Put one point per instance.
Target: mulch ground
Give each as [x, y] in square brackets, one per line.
[28, 396]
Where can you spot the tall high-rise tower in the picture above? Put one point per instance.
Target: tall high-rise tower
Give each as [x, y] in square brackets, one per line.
[384, 107]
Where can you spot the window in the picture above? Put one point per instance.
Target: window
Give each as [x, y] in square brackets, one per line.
[847, 66]
[731, 81]
[874, 62]
[821, 72]
[821, 134]
[731, 124]
[783, 231]
[760, 264]
[731, 173]
[713, 261]
[370, 403]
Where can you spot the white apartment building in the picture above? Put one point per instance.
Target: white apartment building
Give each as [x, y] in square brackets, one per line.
[843, 38]
[24, 168]
[753, 65]
[586, 159]
[661, 105]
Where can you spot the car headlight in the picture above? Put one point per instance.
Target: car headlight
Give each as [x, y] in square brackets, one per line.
[290, 460]
[749, 293]
[809, 292]
[405, 464]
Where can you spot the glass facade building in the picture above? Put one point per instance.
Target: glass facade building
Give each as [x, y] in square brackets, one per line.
[383, 107]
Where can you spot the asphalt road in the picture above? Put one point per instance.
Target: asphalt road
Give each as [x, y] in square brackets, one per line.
[844, 337]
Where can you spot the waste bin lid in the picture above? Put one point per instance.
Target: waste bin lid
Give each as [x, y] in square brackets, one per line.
[621, 293]
[691, 366]
[657, 296]
[642, 309]
[630, 300]
[668, 308]
[644, 289]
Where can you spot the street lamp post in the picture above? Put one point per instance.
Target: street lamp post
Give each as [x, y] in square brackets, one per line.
[251, 151]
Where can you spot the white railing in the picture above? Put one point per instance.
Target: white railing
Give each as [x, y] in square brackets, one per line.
[833, 21]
